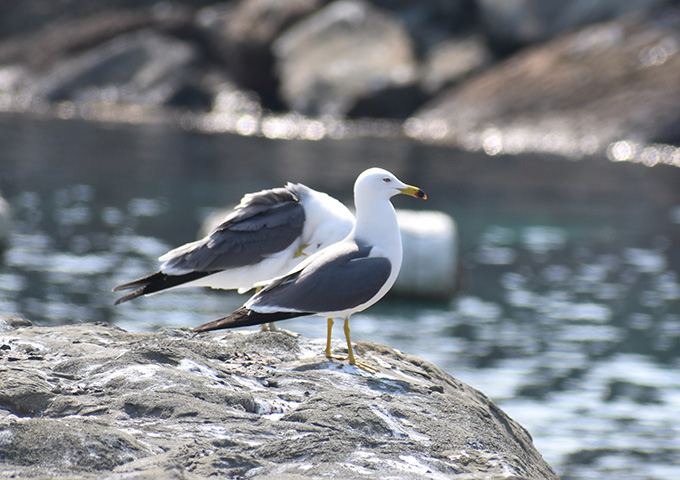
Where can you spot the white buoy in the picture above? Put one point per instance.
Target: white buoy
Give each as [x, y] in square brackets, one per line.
[5, 224]
[430, 243]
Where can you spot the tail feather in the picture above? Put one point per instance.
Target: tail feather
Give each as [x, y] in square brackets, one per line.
[156, 282]
[243, 317]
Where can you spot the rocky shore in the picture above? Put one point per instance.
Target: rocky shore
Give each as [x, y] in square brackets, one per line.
[490, 75]
[95, 401]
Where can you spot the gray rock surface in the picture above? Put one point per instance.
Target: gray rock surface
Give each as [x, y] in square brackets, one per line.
[143, 67]
[94, 401]
[432, 22]
[572, 96]
[511, 24]
[341, 53]
[80, 29]
[452, 60]
[116, 57]
[241, 35]
[19, 18]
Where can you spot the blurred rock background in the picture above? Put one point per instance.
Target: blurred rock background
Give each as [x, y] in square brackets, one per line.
[498, 75]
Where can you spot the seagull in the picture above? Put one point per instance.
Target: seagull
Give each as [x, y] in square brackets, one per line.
[263, 237]
[342, 279]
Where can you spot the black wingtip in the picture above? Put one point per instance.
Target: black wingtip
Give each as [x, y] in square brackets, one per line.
[129, 296]
[243, 317]
[237, 319]
[141, 287]
[156, 282]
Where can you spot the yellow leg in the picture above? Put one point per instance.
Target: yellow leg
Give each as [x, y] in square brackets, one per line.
[270, 327]
[350, 352]
[328, 341]
[300, 251]
[329, 330]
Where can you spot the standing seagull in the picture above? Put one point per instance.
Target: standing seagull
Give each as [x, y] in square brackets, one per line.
[264, 237]
[344, 278]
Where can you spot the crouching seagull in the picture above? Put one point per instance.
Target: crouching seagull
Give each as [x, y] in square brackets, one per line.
[264, 237]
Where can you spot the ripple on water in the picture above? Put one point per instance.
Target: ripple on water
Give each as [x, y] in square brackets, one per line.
[646, 261]
[469, 306]
[542, 239]
[67, 265]
[580, 312]
[146, 207]
[144, 246]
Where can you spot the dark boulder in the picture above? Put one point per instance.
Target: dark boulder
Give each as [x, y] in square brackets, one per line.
[510, 25]
[143, 68]
[347, 51]
[572, 96]
[240, 36]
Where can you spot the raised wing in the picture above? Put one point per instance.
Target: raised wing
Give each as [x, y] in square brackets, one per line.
[264, 223]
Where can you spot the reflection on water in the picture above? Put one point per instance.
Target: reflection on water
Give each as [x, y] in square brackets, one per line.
[594, 332]
[569, 315]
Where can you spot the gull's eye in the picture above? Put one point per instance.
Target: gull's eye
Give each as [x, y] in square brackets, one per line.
[387, 180]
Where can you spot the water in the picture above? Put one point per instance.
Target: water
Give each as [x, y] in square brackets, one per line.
[569, 310]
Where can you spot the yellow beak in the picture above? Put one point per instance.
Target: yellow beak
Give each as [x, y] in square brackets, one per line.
[413, 191]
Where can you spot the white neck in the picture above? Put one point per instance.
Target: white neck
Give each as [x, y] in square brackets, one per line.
[376, 221]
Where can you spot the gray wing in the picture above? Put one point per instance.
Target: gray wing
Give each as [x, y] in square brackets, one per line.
[264, 223]
[343, 277]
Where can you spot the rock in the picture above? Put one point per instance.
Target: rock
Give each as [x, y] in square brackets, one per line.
[69, 34]
[451, 61]
[572, 96]
[510, 25]
[346, 51]
[242, 35]
[143, 67]
[394, 102]
[19, 18]
[430, 23]
[117, 57]
[106, 403]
